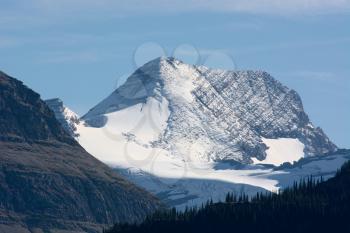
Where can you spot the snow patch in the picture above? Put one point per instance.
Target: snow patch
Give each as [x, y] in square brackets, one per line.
[141, 122]
[282, 150]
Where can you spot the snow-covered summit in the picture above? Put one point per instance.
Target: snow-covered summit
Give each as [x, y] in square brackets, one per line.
[148, 81]
[64, 115]
[204, 114]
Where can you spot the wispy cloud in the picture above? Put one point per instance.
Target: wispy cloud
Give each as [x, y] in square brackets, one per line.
[38, 14]
[255, 6]
[122, 8]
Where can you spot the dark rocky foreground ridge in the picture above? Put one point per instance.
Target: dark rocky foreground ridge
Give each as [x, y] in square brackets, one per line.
[25, 117]
[48, 182]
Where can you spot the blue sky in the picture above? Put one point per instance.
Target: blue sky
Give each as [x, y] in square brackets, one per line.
[81, 51]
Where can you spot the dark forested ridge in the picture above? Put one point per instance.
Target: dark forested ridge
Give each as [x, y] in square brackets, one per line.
[309, 206]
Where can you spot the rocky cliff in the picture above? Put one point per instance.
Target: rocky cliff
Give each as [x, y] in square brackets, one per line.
[48, 181]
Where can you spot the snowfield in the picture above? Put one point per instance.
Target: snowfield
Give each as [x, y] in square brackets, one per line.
[282, 150]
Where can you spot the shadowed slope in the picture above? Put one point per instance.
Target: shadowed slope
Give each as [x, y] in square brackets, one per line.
[47, 181]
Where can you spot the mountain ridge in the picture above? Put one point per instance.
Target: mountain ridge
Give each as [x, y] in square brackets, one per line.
[19, 122]
[48, 182]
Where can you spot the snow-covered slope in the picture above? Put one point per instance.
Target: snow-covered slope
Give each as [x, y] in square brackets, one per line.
[189, 133]
[64, 115]
[291, 149]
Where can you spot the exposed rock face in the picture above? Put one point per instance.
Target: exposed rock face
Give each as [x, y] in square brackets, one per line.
[49, 182]
[250, 105]
[64, 115]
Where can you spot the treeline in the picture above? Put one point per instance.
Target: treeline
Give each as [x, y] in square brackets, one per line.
[308, 206]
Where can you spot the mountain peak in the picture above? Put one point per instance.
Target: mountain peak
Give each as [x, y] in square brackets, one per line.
[161, 64]
[163, 60]
[146, 81]
[231, 113]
